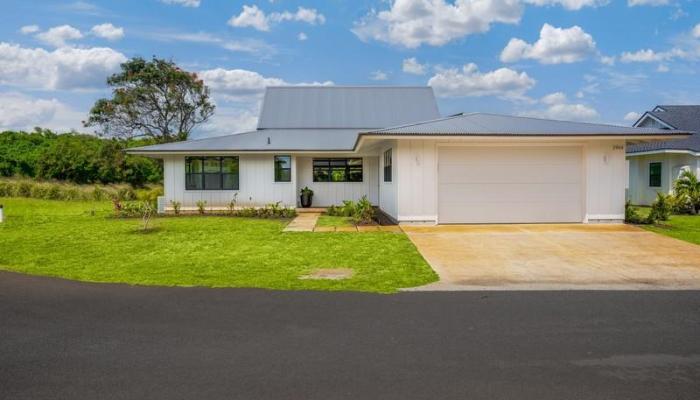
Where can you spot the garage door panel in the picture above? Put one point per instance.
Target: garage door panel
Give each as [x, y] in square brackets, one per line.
[509, 155]
[552, 192]
[510, 184]
[544, 173]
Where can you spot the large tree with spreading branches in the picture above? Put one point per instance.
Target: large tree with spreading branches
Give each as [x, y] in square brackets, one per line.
[154, 99]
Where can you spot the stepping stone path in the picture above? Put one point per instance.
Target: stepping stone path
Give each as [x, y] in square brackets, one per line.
[329, 273]
[304, 222]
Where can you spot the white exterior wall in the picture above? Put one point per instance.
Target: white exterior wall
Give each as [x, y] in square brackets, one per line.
[257, 185]
[605, 181]
[333, 193]
[671, 166]
[417, 183]
[387, 190]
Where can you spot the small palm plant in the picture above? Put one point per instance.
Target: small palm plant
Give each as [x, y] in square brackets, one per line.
[687, 188]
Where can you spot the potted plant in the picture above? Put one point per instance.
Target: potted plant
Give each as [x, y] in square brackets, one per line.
[307, 196]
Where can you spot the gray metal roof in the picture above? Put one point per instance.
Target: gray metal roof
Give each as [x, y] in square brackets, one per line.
[344, 107]
[279, 140]
[679, 117]
[483, 124]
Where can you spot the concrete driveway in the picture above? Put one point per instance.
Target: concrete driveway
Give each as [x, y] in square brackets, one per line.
[569, 256]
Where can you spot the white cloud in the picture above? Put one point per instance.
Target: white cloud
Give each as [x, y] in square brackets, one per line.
[228, 120]
[108, 31]
[302, 36]
[696, 31]
[412, 66]
[184, 3]
[63, 68]
[29, 29]
[632, 116]
[607, 60]
[654, 3]
[254, 17]
[241, 84]
[253, 46]
[569, 4]
[558, 107]
[59, 36]
[662, 68]
[648, 55]
[411, 23]
[379, 76]
[469, 81]
[21, 112]
[555, 46]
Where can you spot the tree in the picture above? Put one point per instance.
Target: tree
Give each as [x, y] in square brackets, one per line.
[687, 187]
[154, 99]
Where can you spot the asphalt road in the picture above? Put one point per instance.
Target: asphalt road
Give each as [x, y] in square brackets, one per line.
[70, 340]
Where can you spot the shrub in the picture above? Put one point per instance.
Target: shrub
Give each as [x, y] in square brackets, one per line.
[232, 204]
[176, 206]
[364, 212]
[150, 195]
[632, 215]
[272, 210]
[687, 191]
[201, 204]
[660, 208]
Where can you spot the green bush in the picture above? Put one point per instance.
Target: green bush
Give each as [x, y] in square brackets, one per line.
[76, 158]
[687, 191]
[272, 210]
[51, 190]
[660, 208]
[361, 212]
[632, 215]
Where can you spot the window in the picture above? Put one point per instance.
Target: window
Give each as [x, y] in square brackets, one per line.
[283, 168]
[211, 173]
[337, 169]
[387, 166]
[655, 174]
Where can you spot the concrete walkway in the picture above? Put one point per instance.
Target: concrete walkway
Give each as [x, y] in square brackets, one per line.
[557, 257]
[304, 222]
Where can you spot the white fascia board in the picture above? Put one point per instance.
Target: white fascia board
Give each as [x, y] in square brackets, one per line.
[665, 151]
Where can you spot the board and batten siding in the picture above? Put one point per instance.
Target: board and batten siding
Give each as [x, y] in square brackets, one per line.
[333, 193]
[417, 183]
[257, 186]
[387, 190]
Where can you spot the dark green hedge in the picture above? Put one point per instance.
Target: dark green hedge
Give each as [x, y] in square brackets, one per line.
[74, 157]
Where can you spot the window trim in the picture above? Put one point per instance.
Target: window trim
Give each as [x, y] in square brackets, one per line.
[660, 174]
[274, 161]
[329, 168]
[388, 155]
[221, 172]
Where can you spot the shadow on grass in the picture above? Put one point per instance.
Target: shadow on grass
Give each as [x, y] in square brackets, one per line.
[151, 229]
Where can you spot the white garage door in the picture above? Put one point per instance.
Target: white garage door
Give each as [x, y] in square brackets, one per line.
[509, 184]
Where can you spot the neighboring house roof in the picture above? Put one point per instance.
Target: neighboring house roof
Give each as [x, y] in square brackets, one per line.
[483, 124]
[344, 107]
[676, 117]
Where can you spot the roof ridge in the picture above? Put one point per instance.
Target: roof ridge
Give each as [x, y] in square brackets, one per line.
[422, 122]
[552, 120]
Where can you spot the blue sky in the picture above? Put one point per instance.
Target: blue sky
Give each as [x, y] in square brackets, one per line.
[589, 60]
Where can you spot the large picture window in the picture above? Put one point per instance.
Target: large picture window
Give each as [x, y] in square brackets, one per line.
[655, 174]
[211, 173]
[387, 166]
[337, 169]
[283, 168]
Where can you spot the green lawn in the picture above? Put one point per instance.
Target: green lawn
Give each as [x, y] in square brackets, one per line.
[327, 220]
[684, 227]
[79, 240]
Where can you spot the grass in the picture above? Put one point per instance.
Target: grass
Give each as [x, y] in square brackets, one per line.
[683, 227]
[327, 220]
[80, 241]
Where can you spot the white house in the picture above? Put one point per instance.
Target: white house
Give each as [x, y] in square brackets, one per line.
[653, 167]
[348, 142]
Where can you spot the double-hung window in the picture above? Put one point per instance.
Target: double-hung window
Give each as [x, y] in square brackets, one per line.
[387, 166]
[211, 173]
[337, 169]
[283, 168]
[655, 174]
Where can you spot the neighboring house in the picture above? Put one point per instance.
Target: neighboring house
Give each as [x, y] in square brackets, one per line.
[349, 142]
[653, 167]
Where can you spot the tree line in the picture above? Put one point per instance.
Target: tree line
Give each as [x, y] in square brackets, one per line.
[79, 158]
